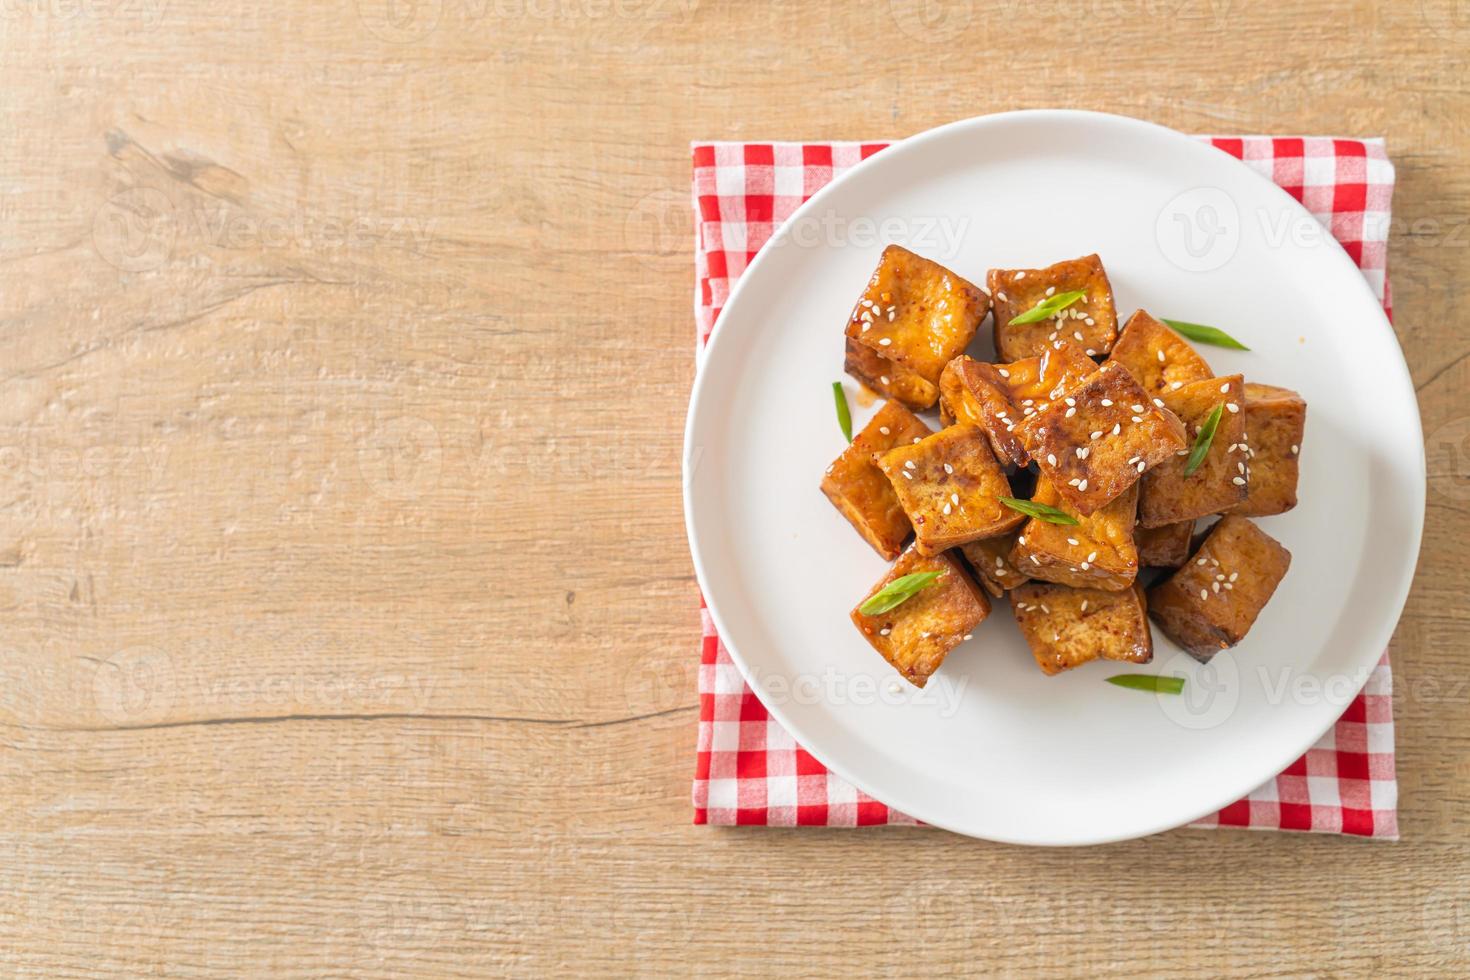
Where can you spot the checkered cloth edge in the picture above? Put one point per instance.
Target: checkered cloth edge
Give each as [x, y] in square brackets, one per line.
[749, 770]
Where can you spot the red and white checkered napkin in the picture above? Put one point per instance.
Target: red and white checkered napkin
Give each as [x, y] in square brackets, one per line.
[750, 771]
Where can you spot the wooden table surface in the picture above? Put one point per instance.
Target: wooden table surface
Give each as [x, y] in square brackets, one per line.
[348, 621]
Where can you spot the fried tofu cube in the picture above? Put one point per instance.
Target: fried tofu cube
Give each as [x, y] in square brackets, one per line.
[997, 396]
[888, 378]
[916, 636]
[1211, 602]
[1168, 496]
[991, 560]
[1091, 322]
[914, 317]
[1097, 552]
[1065, 627]
[949, 484]
[858, 488]
[1166, 546]
[1275, 419]
[1096, 440]
[1157, 357]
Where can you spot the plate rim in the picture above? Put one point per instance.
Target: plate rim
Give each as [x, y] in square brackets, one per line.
[1398, 376]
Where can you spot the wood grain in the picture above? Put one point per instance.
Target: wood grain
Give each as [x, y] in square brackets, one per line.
[349, 625]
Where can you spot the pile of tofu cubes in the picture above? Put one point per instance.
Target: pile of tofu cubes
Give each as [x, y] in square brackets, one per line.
[1075, 414]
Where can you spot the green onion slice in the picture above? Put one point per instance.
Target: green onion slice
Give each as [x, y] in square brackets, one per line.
[897, 592]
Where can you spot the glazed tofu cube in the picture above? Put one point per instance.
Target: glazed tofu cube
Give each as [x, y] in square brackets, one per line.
[1275, 419]
[1168, 496]
[916, 636]
[916, 315]
[997, 396]
[1157, 357]
[1164, 547]
[1091, 323]
[1097, 552]
[949, 484]
[1211, 602]
[991, 560]
[859, 489]
[888, 378]
[1096, 440]
[1065, 626]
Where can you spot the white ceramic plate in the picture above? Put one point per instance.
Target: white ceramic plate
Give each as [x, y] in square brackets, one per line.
[992, 747]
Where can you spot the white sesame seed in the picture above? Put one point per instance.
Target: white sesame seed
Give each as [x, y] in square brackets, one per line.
[1082, 486]
[867, 327]
[1234, 576]
[891, 315]
[1020, 275]
[1240, 467]
[969, 636]
[906, 474]
[883, 378]
[1200, 562]
[1034, 559]
[1238, 481]
[1229, 585]
[1090, 352]
[1084, 605]
[885, 341]
[1082, 453]
[1141, 466]
[1175, 386]
[1095, 434]
[1044, 609]
[917, 439]
[908, 464]
[1225, 387]
[1085, 566]
[948, 468]
[1092, 556]
[1090, 322]
[1077, 334]
[954, 498]
[1215, 586]
[999, 562]
[885, 430]
[1004, 373]
[1070, 412]
[1295, 450]
[1074, 481]
[1020, 539]
[1050, 290]
[1161, 357]
[1204, 593]
[924, 635]
[947, 509]
[1137, 418]
[1069, 401]
[1219, 578]
[1117, 427]
[884, 632]
[1232, 407]
[1002, 297]
[1051, 459]
[1159, 402]
[1106, 402]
